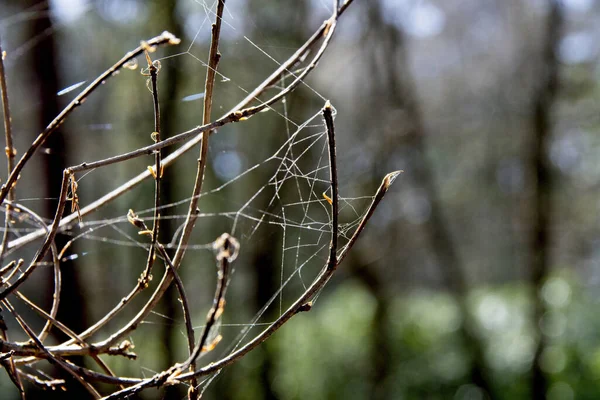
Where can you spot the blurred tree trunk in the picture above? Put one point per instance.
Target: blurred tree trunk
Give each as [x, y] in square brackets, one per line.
[402, 94]
[541, 185]
[72, 310]
[381, 345]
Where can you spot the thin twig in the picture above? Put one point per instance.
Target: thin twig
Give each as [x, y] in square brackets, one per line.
[51, 320]
[153, 70]
[187, 316]
[49, 237]
[164, 38]
[213, 62]
[328, 117]
[7, 361]
[227, 248]
[139, 223]
[53, 359]
[51, 384]
[9, 266]
[10, 150]
[55, 263]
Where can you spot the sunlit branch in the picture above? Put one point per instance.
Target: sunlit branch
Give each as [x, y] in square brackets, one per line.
[164, 38]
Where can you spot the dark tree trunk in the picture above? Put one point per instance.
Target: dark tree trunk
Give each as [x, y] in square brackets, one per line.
[44, 60]
[403, 95]
[541, 207]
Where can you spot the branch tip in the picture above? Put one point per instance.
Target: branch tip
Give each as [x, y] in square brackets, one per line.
[171, 39]
[390, 178]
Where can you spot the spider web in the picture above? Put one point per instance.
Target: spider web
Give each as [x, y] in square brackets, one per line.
[276, 198]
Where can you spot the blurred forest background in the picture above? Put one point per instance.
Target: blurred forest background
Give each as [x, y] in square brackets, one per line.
[478, 275]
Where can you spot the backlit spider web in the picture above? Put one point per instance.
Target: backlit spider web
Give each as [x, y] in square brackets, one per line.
[272, 194]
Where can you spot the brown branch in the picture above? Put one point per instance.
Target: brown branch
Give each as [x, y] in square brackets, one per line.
[47, 242]
[227, 248]
[213, 61]
[187, 316]
[328, 117]
[53, 359]
[46, 384]
[55, 263]
[164, 38]
[138, 222]
[153, 70]
[10, 150]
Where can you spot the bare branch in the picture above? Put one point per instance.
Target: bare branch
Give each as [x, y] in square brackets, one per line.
[164, 38]
[153, 71]
[49, 238]
[10, 150]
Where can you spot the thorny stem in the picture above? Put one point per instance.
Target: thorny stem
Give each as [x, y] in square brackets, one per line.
[164, 38]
